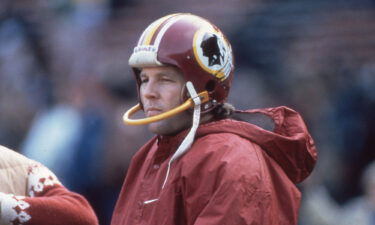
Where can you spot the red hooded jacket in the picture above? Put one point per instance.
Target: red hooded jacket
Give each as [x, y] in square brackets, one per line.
[235, 173]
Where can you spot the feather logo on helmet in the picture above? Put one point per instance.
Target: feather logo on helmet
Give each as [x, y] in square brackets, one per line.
[213, 53]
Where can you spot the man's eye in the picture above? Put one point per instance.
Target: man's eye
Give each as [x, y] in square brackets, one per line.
[166, 79]
[144, 80]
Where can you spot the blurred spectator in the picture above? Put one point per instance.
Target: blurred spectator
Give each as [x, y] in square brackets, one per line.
[53, 139]
[23, 70]
[320, 209]
[69, 137]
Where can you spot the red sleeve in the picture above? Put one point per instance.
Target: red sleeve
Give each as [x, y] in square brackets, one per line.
[49, 202]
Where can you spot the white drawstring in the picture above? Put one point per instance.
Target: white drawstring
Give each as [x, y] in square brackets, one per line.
[188, 140]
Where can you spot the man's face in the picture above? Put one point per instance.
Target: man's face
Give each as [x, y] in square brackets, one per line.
[160, 91]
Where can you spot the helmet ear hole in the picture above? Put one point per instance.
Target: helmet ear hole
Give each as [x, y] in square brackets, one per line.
[210, 86]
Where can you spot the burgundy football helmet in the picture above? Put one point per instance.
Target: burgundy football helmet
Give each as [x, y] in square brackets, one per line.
[194, 45]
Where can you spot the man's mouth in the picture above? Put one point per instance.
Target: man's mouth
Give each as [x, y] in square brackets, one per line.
[152, 111]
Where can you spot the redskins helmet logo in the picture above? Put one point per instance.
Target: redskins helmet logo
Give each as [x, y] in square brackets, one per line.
[210, 48]
[213, 53]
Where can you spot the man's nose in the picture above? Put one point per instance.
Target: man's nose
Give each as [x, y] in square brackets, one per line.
[150, 90]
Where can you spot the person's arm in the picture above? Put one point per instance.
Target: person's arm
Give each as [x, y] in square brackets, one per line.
[48, 203]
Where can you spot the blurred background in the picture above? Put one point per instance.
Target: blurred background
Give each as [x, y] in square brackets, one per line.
[65, 83]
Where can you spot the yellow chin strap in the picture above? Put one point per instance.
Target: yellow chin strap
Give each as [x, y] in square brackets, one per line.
[186, 105]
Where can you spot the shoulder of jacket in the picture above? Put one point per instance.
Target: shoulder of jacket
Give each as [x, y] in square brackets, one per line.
[10, 158]
[220, 146]
[14, 169]
[215, 155]
[223, 139]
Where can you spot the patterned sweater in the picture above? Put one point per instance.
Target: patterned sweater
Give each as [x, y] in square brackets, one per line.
[30, 194]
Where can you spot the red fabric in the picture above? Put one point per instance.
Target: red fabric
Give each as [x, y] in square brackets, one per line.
[48, 202]
[234, 173]
[58, 206]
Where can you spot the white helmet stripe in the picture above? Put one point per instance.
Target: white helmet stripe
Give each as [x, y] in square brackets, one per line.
[164, 29]
[151, 29]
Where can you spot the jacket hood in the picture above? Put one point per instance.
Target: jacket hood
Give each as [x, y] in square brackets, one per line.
[289, 144]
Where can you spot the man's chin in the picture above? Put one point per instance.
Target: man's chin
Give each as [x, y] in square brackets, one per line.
[162, 128]
[157, 128]
[170, 126]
